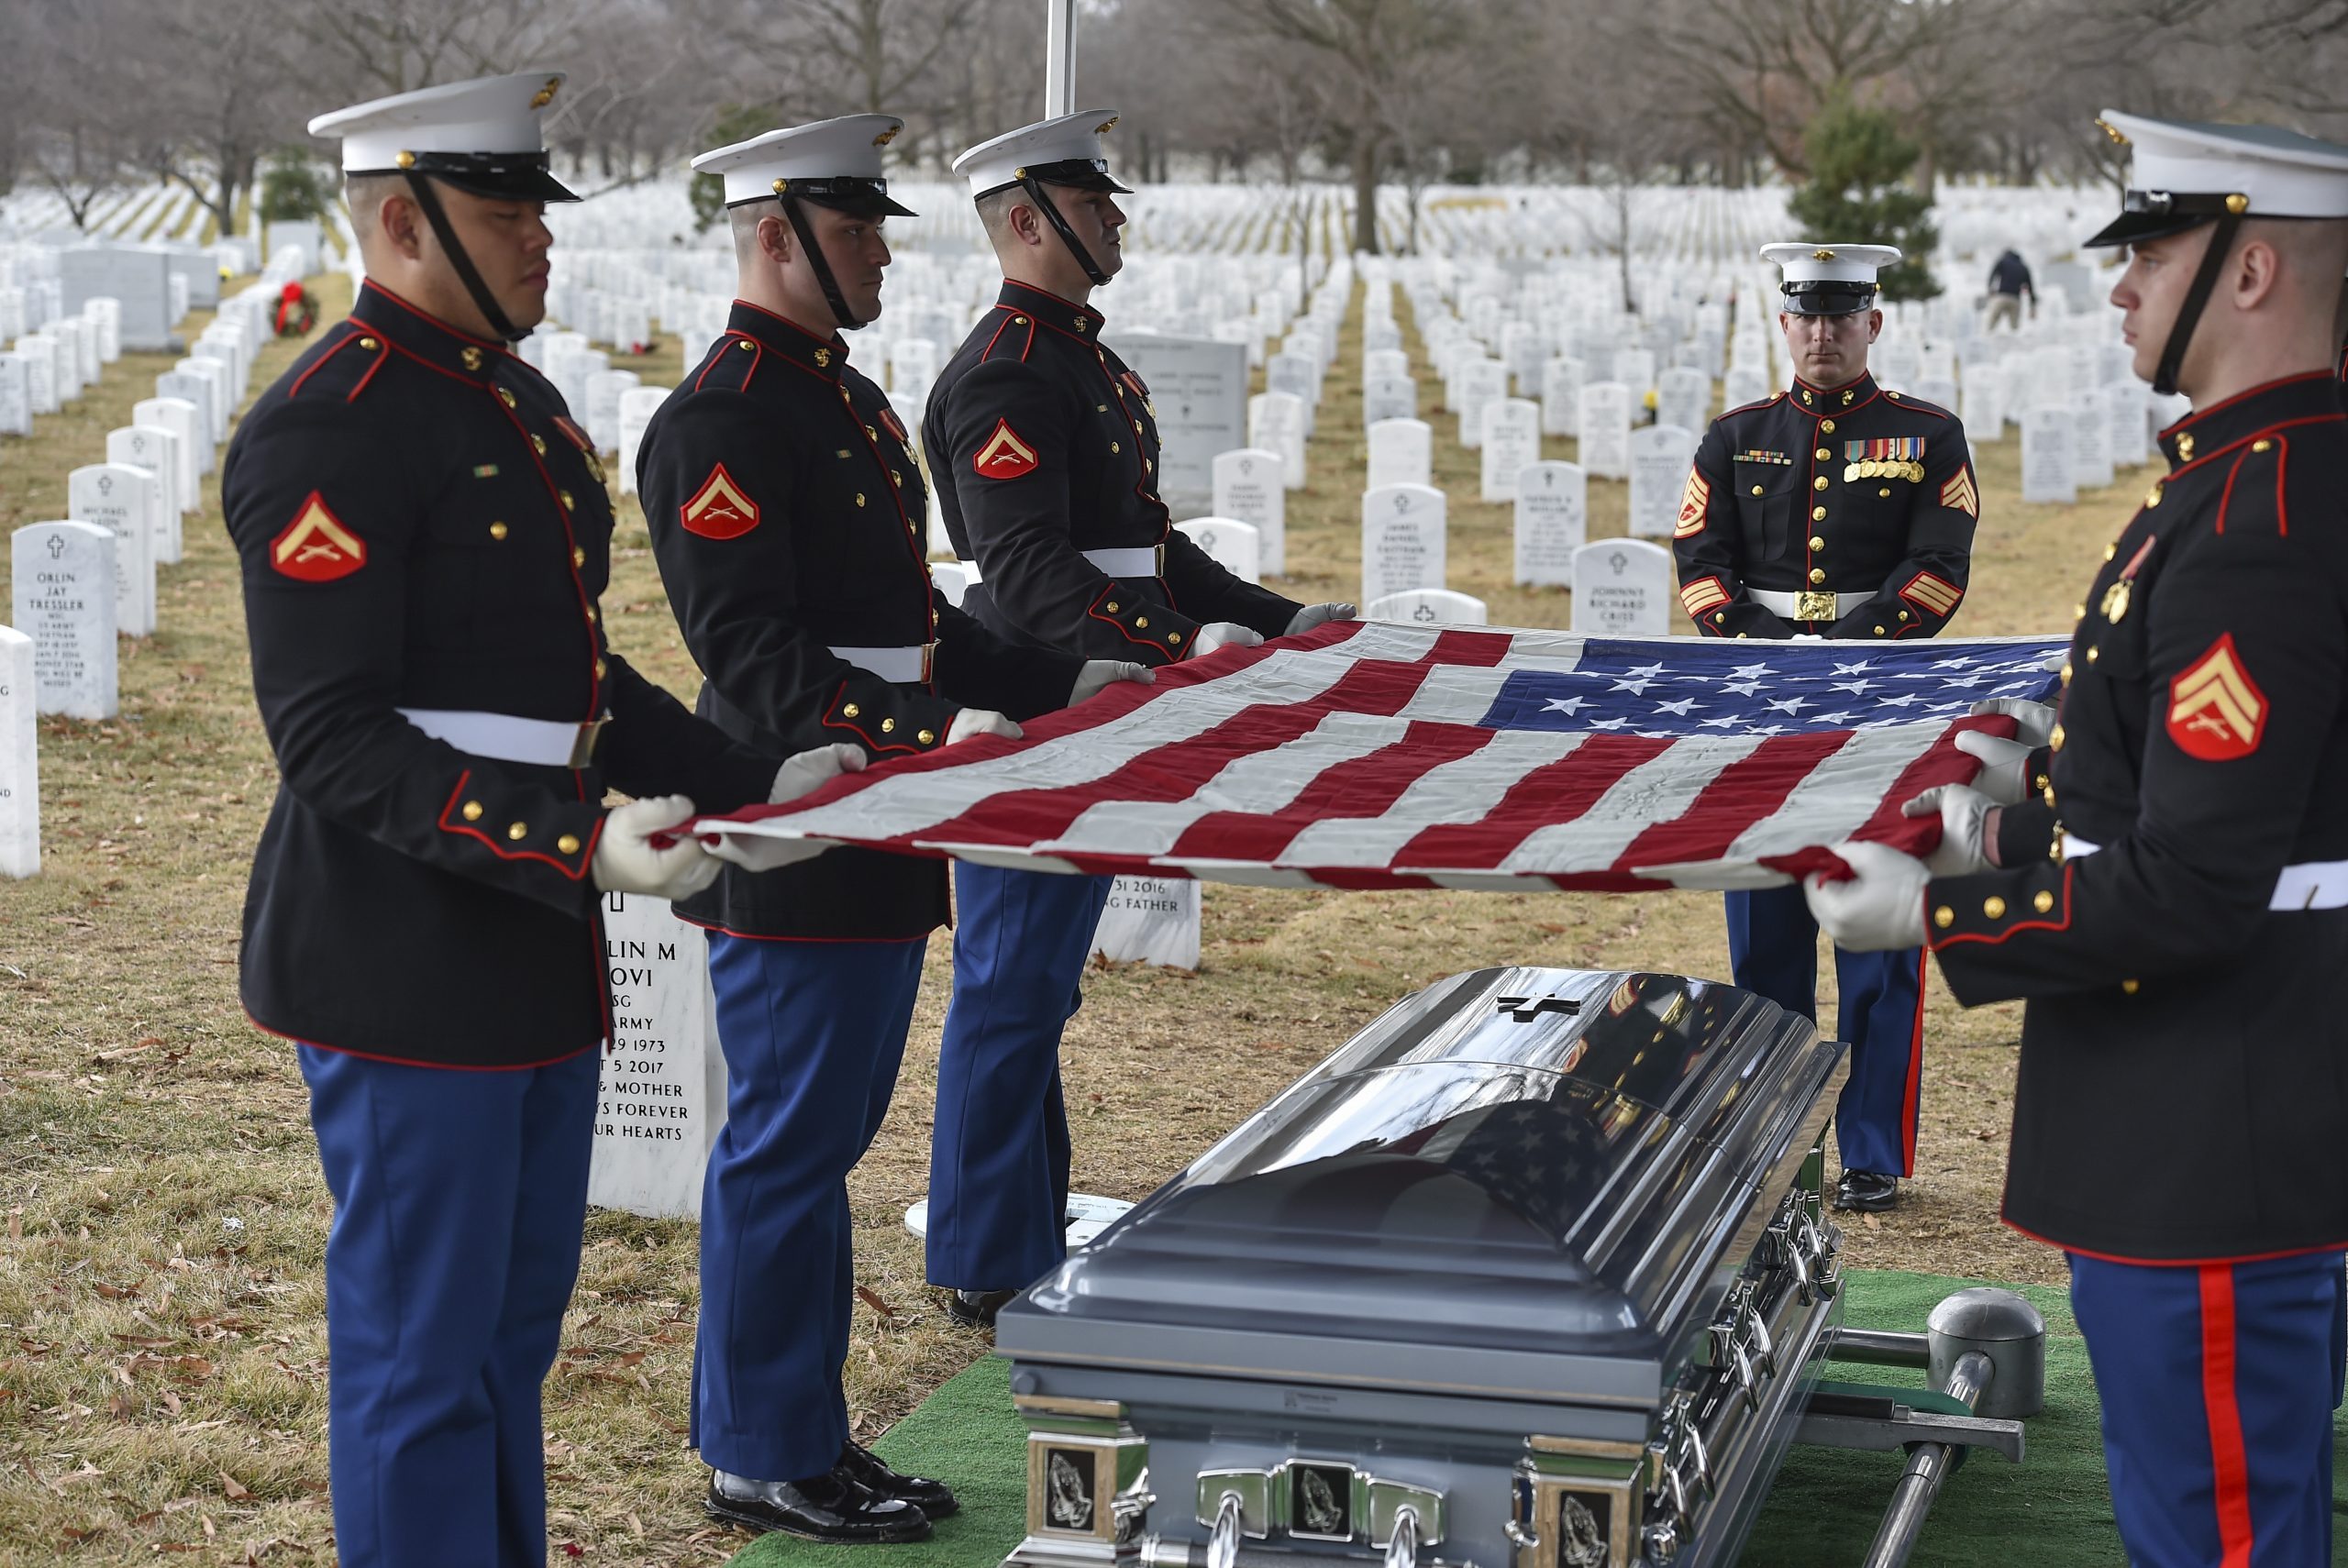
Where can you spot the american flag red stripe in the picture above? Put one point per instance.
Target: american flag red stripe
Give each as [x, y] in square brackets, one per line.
[1384, 754]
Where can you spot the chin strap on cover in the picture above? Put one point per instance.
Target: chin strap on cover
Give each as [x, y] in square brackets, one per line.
[831, 285]
[1051, 211]
[2188, 315]
[501, 327]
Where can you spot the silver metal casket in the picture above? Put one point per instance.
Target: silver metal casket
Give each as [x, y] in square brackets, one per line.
[1529, 1273]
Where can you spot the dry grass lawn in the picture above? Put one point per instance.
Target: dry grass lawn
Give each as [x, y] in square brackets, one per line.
[163, 1382]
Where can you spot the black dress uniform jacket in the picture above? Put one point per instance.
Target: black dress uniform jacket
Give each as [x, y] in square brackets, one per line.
[1051, 444]
[789, 518]
[1855, 490]
[422, 527]
[2182, 1093]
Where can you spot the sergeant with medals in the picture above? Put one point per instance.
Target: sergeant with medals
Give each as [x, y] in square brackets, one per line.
[1046, 446]
[424, 535]
[787, 513]
[2174, 906]
[1840, 509]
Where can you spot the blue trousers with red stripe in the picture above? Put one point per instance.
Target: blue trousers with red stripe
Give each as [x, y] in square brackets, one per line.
[2217, 1383]
[1773, 951]
[999, 1154]
[813, 1033]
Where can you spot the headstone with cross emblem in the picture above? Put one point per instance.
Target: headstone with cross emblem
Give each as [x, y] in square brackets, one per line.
[19, 758]
[1660, 456]
[1622, 588]
[155, 449]
[125, 502]
[196, 392]
[1195, 390]
[1389, 397]
[1232, 544]
[1481, 381]
[1511, 439]
[662, 1098]
[64, 601]
[1552, 521]
[179, 416]
[1402, 539]
[1429, 607]
[1247, 486]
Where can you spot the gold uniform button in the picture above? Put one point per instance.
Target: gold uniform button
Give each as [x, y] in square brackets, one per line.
[594, 614]
[2041, 900]
[1878, 631]
[369, 343]
[1885, 492]
[1018, 321]
[1756, 490]
[2262, 446]
[1826, 426]
[1824, 455]
[744, 343]
[859, 498]
[926, 736]
[568, 844]
[2046, 793]
[564, 496]
[1944, 917]
[1818, 574]
[498, 531]
[578, 556]
[2093, 653]
[2054, 740]
[850, 711]
[600, 669]
[2065, 672]
[1994, 907]
[1905, 616]
[2130, 987]
[505, 396]
[2110, 550]
[871, 433]
[1141, 622]
[1112, 607]
[1819, 483]
[472, 810]
[539, 444]
[1817, 514]
[1818, 541]
[896, 479]
[518, 830]
[1114, 447]
[1173, 639]
[888, 727]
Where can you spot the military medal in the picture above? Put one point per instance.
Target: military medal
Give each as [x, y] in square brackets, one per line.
[2116, 597]
[1894, 457]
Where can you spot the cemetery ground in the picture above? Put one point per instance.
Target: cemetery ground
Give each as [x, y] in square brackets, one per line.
[162, 1374]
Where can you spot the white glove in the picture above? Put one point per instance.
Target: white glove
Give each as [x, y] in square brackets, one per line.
[2005, 767]
[1313, 615]
[981, 722]
[1223, 634]
[811, 770]
[2034, 721]
[1880, 908]
[1964, 815]
[1100, 674]
[626, 861]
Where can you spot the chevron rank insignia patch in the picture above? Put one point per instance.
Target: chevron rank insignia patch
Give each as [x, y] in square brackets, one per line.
[2216, 712]
[1693, 500]
[316, 547]
[1935, 594]
[1958, 494]
[1004, 456]
[720, 510]
[1703, 595]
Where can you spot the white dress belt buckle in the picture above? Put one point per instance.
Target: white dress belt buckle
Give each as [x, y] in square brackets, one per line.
[538, 743]
[900, 666]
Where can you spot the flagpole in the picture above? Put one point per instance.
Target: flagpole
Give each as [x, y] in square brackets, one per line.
[1059, 58]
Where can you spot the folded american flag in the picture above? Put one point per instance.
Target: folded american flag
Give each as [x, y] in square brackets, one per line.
[1371, 754]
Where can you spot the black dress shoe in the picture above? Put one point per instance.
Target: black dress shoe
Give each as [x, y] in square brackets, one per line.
[976, 1308]
[1869, 1190]
[869, 1470]
[833, 1507]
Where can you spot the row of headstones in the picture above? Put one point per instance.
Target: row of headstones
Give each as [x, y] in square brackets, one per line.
[81, 581]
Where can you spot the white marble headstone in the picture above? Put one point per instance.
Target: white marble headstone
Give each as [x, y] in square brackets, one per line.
[1683, 397]
[1150, 919]
[1511, 439]
[16, 396]
[1234, 545]
[1622, 589]
[19, 758]
[1401, 451]
[1402, 539]
[1429, 607]
[1248, 486]
[1744, 384]
[2124, 401]
[38, 351]
[1276, 422]
[1389, 397]
[156, 449]
[662, 1098]
[637, 407]
[1552, 521]
[1561, 380]
[64, 598]
[180, 418]
[2047, 471]
[1606, 429]
[1481, 382]
[196, 392]
[1660, 455]
[605, 389]
[2091, 442]
[125, 501]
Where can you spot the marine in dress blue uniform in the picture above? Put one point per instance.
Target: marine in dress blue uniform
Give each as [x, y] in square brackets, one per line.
[1045, 448]
[2172, 907]
[1837, 508]
[786, 510]
[423, 534]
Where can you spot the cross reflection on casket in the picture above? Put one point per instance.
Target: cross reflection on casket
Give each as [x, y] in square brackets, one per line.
[1529, 1273]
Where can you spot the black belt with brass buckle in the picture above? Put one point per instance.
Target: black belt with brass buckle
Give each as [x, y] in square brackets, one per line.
[582, 747]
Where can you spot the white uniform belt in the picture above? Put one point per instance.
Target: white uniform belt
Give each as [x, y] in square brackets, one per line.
[2308, 885]
[1140, 561]
[1789, 606]
[545, 743]
[905, 666]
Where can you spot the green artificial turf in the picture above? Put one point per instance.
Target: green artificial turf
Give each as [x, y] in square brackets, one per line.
[2051, 1511]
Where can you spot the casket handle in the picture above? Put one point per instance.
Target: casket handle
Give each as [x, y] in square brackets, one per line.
[1223, 1546]
[1402, 1546]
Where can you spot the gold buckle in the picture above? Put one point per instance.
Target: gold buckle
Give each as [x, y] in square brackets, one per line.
[1812, 605]
[928, 663]
[1157, 566]
[582, 745]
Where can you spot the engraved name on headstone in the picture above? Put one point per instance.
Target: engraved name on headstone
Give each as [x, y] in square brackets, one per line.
[1552, 521]
[1660, 456]
[64, 594]
[1402, 539]
[1248, 486]
[662, 1098]
[1622, 589]
[2047, 471]
[123, 500]
[1605, 421]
